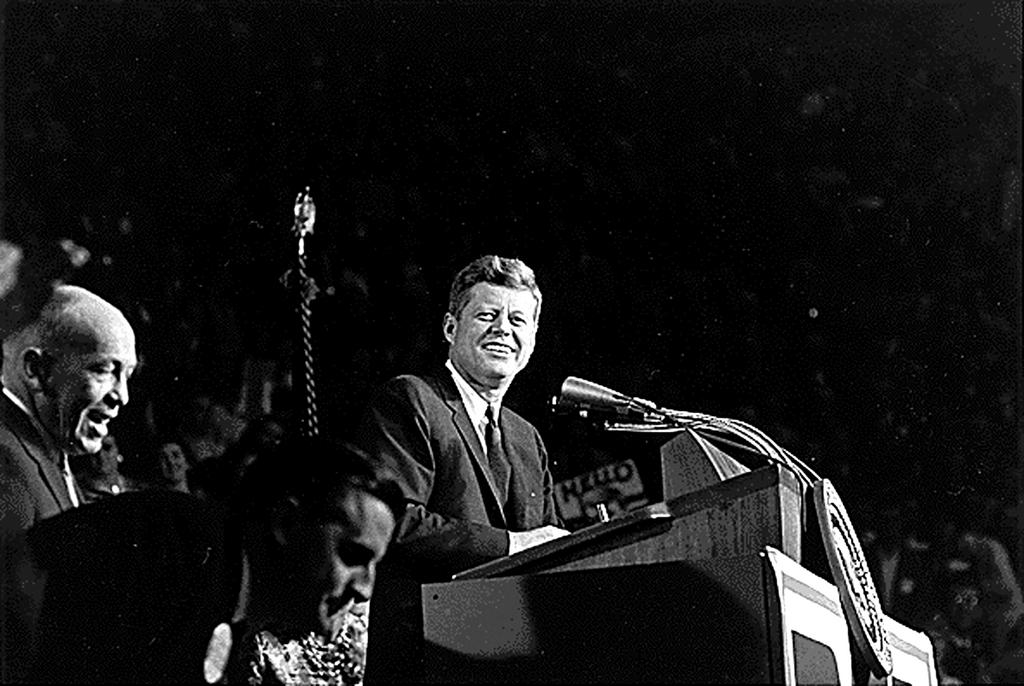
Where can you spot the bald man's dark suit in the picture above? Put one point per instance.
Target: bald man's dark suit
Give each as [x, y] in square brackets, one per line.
[455, 518]
[32, 488]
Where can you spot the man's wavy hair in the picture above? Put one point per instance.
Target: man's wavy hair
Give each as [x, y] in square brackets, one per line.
[509, 272]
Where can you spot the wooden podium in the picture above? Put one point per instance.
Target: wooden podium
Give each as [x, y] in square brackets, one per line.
[706, 586]
[753, 618]
[708, 621]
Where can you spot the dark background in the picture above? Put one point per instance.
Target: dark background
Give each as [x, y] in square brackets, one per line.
[802, 215]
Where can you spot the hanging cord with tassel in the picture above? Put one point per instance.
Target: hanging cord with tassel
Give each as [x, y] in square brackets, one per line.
[305, 215]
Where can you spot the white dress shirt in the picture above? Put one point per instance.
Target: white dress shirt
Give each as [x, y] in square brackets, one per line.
[475, 404]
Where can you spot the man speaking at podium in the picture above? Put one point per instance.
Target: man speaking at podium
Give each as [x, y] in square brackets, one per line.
[475, 474]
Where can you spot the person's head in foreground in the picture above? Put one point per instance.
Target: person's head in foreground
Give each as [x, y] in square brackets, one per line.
[316, 518]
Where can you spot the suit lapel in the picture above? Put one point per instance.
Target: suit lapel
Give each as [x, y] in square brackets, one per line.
[38, 453]
[466, 430]
[51, 475]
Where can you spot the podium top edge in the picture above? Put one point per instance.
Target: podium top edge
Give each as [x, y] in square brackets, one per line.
[648, 520]
[653, 516]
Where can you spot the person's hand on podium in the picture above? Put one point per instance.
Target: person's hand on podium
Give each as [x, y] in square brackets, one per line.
[519, 541]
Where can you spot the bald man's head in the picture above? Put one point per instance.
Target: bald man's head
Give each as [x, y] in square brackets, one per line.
[71, 367]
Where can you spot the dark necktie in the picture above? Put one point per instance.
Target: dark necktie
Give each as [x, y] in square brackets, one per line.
[496, 454]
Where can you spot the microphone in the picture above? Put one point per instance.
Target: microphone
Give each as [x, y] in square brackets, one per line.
[580, 394]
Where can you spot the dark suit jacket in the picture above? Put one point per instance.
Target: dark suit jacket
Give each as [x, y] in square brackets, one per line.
[454, 518]
[33, 486]
[32, 489]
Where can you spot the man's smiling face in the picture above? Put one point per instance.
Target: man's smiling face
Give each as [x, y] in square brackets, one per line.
[494, 335]
[88, 385]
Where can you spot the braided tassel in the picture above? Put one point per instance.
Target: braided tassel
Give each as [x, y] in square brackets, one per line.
[305, 215]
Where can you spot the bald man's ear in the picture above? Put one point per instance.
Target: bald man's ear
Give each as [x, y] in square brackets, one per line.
[449, 327]
[37, 368]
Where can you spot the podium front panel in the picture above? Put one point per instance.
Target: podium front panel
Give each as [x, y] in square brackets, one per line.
[747, 619]
[659, 623]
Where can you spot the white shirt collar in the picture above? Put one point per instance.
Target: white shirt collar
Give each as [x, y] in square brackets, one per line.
[475, 404]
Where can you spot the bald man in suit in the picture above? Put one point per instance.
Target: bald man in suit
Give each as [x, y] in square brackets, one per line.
[65, 377]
